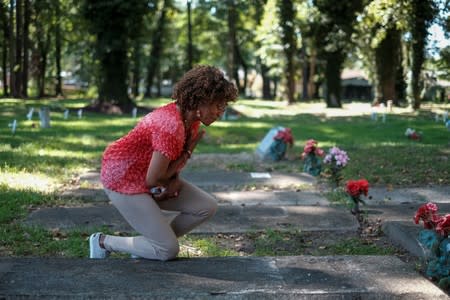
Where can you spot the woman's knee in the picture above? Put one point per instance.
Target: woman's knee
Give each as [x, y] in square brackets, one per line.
[211, 207]
[207, 209]
[169, 251]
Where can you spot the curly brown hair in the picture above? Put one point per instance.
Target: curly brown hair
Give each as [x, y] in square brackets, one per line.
[203, 85]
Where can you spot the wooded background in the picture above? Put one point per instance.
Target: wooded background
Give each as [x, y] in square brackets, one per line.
[119, 50]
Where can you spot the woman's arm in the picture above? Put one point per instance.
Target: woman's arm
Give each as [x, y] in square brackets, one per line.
[161, 170]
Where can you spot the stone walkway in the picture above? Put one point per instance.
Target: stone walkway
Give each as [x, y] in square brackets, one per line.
[296, 277]
[299, 277]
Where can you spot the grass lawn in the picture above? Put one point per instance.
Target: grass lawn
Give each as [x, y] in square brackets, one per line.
[37, 164]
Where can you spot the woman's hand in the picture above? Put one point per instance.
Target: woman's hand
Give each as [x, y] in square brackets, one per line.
[172, 190]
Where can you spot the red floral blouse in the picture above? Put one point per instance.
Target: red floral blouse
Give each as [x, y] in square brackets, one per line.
[125, 161]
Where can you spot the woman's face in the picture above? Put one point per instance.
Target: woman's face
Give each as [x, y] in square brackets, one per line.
[209, 113]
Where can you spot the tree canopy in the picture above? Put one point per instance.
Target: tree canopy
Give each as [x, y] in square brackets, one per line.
[120, 51]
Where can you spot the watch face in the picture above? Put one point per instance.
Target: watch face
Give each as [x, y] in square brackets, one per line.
[156, 190]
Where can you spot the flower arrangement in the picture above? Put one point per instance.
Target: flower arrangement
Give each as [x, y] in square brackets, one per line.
[310, 155]
[337, 159]
[435, 238]
[412, 134]
[286, 136]
[281, 140]
[356, 188]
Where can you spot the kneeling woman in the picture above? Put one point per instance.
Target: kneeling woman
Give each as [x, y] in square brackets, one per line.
[140, 171]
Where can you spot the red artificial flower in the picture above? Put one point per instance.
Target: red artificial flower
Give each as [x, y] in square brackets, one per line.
[311, 147]
[286, 136]
[357, 187]
[353, 188]
[427, 213]
[415, 136]
[319, 152]
[443, 225]
[363, 186]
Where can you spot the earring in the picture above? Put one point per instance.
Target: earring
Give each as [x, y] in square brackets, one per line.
[198, 114]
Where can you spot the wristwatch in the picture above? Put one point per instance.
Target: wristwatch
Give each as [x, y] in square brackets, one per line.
[156, 190]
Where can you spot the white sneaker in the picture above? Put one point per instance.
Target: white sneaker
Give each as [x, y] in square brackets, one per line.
[95, 251]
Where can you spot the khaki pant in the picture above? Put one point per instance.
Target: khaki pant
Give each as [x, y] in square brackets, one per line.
[158, 239]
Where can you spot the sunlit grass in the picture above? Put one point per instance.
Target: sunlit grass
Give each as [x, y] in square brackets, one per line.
[24, 180]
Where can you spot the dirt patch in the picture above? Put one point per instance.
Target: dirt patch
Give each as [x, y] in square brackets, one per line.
[370, 240]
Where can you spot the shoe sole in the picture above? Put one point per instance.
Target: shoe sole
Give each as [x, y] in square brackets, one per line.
[91, 246]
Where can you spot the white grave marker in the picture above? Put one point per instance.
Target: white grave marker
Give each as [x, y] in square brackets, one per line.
[134, 113]
[264, 147]
[389, 105]
[80, 113]
[44, 115]
[436, 117]
[30, 114]
[374, 116]
[445, 116]
[13, 126]
[383, 112]
[260, 175]
[66, 114]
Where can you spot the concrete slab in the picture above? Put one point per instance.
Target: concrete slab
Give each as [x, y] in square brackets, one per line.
[93, 194]
[405, 235]
[297, 277]
[398, 224]
[221, 178]
[228, 219]
[271, 197]
[413, 195]
[400, 212]
[258, 197]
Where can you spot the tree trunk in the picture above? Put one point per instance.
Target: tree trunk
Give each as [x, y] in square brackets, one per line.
[58, 42]
[423, 12]
[242, 62]
[413, 90]
[265, 82]
[26, 47]
[136, 77]
[275, 88]
[189, 47]
[5, 32]
[231, 53]
[4, 68]
[12, 51]
[41, 74]
[290, 78]
[158, 84]
[19, 51]
[305, 72]
[157, 46]
[400, 83]
[333, 68]
[288, 38]
[387, 59]
[113, 78]
[312, 90]
[43, 41]
[245, 83]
